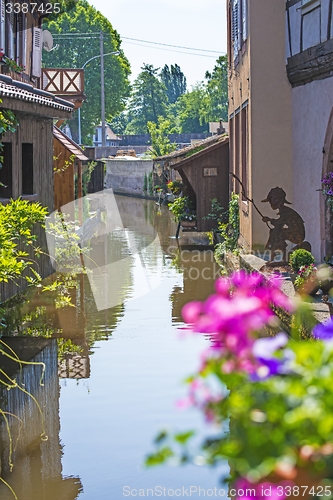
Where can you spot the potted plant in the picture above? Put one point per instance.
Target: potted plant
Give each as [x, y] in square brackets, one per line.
[299, 258]
[183, 212]
[189, 219]
[175, 187]
[14, 66]
[306, 281]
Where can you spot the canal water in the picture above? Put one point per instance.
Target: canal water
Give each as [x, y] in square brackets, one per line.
[113, 374]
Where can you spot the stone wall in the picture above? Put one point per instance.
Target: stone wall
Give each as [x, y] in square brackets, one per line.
[127, 176]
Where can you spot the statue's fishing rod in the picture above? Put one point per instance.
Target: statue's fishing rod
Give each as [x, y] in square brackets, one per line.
[244, 194]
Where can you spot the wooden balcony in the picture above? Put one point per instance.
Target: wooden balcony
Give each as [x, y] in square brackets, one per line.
[65, 83]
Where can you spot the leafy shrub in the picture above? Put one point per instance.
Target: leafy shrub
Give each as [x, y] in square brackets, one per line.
[299, 258]
[230, 230]
[182, 209]
[145, 184]
[217, 212]
[150, 184]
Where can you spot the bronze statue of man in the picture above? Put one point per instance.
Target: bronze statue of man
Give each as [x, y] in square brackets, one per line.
[289, 226]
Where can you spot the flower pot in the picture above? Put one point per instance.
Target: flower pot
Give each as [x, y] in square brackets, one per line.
[188, 223]
[326, 286]
[308, 289]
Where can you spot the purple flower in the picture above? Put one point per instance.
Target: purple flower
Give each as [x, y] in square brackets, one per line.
[241, 307]
[264, 351]
[266, 348]
[324, 331]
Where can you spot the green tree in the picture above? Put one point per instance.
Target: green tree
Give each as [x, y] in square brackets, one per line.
[217, 92]
[74, 51]
[160, 141]
[148, 100]
[174, 81]
[119, 123]
[191, 110]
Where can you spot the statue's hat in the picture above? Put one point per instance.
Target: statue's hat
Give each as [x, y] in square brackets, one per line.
[277, 194]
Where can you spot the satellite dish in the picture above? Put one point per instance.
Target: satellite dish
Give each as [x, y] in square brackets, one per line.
[47, 40]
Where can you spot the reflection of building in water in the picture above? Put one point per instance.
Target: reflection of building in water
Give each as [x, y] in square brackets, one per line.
[74, 365]
[200, 271]
[37, 472]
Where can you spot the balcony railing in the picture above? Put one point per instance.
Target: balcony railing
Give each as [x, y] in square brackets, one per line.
[68, 83]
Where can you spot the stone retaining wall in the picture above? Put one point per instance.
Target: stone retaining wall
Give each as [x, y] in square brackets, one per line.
[127, 176]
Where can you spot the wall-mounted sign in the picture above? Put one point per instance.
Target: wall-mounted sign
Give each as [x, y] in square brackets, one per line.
[210, 172]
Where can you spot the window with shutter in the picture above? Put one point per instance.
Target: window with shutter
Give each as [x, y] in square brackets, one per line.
[235, 27]
[18, 32]
[10, 48]
[24, 41]
[244, 16]
[37, 53]
[2, 25]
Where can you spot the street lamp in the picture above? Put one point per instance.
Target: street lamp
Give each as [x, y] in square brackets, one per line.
[101, 55]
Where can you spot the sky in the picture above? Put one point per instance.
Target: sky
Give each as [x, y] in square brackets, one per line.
[187, 23]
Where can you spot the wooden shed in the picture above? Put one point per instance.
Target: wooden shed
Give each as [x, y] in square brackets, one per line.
[204, 170]
[68, 161]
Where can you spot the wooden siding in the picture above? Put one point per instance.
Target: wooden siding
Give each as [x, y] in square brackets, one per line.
[38, 132]
[97, 178]
[207, 187]
[64, 187]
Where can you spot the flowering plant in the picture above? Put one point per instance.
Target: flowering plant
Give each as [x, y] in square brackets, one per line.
[14, 65]
[274, 393]
[306, 274]
[327, 187]
[175, 187]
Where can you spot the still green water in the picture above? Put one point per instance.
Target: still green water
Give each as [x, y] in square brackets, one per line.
[113, 375]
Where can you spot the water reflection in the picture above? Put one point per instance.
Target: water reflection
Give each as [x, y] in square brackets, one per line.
[134, 378]
[37, 472]
[199, 272]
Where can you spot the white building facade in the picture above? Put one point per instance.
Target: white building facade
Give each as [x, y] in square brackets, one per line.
[309, 33]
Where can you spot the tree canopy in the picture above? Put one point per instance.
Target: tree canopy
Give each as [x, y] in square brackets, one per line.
[217, 90]
[160, 143]
[190, 109]
[148, 100]
[174, 81]
[163, 94]
[77, 32]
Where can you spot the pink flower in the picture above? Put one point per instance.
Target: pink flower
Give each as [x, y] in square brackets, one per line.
[261, 491]
[241, 307]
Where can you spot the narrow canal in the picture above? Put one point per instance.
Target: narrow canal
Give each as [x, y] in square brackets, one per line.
[113, 375]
